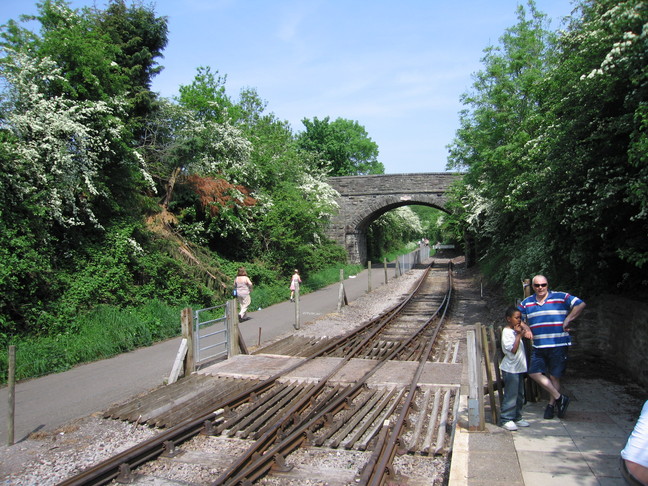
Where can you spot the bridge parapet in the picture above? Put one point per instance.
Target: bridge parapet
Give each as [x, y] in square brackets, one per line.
[393, 183]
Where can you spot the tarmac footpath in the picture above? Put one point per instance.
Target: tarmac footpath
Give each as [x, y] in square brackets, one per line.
[45, 403]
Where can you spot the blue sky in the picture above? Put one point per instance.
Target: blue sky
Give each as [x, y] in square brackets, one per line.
[397, 68]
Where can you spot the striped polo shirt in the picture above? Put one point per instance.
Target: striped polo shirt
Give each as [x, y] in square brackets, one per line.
[546, 319]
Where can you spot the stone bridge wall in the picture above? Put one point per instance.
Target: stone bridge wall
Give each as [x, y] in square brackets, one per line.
[365, 198]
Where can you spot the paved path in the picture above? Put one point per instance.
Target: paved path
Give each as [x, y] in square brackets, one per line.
[50, 401]
[581, 449]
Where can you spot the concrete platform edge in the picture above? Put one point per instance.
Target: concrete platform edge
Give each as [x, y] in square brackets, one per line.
[460, 450]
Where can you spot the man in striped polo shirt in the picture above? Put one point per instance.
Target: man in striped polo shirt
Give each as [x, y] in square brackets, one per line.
[548, 315]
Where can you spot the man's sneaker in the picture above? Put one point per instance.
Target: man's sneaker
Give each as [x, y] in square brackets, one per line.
[549, 412]
[561, 405]
[510, 425]
[522, 423]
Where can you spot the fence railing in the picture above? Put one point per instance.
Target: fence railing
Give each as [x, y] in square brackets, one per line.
[404, 263]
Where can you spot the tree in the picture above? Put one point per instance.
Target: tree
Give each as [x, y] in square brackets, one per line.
[106, 57]
[206, 96]
[555, 154]
[68, 170]
[178, 141]
[275, 154]
[596, 123]
[139, 37]
[343, 146]
[393, 230]
[51, 178]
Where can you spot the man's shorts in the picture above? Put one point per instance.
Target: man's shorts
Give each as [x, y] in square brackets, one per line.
[549, 360]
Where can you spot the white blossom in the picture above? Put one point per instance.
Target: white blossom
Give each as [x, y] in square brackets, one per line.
[61, 143]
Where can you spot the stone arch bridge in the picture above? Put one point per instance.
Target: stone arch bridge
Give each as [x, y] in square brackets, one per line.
[365, 198]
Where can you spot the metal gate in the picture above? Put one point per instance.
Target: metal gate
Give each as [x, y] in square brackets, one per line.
[211, 339]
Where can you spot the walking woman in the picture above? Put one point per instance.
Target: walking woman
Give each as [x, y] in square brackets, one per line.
[243, 286]
[295, 280]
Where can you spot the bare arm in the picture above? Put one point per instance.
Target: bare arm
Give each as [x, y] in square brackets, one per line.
[575, 312]
[526, 331]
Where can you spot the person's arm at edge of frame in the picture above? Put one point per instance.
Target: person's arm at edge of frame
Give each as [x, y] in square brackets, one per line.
[638, 471]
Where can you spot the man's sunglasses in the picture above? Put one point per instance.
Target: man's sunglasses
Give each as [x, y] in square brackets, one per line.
[540, 285]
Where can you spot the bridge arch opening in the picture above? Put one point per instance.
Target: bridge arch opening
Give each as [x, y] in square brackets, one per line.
[365, 239]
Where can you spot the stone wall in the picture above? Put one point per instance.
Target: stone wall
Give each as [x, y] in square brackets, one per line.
[615, 329]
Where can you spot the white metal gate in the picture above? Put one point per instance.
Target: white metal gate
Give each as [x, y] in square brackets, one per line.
[211, 339]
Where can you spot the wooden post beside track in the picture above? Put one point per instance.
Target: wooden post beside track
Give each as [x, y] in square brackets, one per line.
[178, 363]
[186, 321]
[297, 323]
[497, 351]
[233, 334]
[342, 298]
[385, 265]
[11, 386]
[369, 277]
[475, 386]
[489, 374]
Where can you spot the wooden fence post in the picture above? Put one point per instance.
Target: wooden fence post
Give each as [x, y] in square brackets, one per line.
[11, 385]
[489, 374]
[385, 265]
[369, 277]
[178, 363]
[233, 337]
[342, 298]
[297, 323]
[497, 351]
[475, 386]
[186, 321]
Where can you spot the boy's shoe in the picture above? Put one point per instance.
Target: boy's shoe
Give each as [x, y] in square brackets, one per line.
[522, 423]
[510, 425]
[561, 405]
[549, 412]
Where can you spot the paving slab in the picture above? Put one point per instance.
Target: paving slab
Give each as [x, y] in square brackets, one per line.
[555, 462]
[603, 465]
[549, 479]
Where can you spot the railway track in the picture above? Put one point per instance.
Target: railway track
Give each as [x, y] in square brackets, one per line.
[281, 415]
